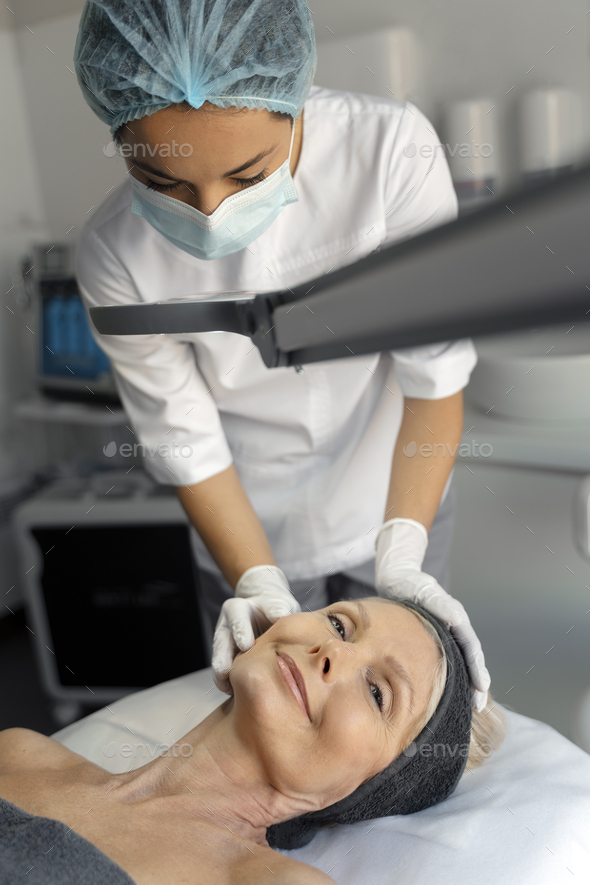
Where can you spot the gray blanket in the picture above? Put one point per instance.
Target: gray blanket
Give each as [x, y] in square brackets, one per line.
[40, 851]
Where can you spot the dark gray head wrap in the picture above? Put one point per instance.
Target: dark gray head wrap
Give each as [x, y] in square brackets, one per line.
[415, 780]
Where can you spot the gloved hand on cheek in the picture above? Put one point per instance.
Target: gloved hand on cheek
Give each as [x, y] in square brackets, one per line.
[262, 596]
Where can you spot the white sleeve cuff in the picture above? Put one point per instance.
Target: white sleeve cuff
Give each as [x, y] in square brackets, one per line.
[436, 370]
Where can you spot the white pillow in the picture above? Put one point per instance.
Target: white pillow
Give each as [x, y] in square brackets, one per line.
[522, 817]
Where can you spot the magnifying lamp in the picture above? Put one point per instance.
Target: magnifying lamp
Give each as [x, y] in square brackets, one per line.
[522, 261]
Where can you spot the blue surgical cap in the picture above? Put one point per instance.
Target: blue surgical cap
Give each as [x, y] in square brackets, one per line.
[135, 57]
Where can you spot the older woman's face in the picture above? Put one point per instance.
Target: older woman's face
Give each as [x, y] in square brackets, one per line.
[351, 657]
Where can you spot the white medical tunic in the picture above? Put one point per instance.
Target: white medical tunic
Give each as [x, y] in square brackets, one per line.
[313, 449]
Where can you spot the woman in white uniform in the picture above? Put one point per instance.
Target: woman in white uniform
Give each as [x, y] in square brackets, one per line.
[302, 484]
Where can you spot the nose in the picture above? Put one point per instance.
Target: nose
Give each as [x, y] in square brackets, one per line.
[333, 659]
[207, 199]
[206, 204]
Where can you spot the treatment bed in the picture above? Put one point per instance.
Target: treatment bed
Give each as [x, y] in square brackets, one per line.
[522, 817]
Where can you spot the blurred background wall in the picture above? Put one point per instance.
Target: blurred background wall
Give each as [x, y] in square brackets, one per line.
[56, 169]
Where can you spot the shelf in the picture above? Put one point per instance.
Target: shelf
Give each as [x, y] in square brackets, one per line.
[40, 408]
[558, 445]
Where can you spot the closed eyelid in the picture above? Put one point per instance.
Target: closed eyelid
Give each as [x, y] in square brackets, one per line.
[147, 170]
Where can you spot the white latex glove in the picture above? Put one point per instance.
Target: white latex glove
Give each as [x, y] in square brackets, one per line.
[400, 547]
[262, 596]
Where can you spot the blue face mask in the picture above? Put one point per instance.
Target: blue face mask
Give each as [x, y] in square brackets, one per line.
[236, 222]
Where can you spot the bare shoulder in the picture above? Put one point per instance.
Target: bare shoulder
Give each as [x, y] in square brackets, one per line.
[22, 748]
[300, 873]
[276, 868]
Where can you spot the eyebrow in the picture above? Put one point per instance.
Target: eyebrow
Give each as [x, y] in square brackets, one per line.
[401, 671]
[397, 666]
[147, 168]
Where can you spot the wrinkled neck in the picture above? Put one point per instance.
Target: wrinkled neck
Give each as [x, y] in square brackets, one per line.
[220, 780]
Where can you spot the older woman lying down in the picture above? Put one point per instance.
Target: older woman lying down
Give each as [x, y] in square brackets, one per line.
[323, 707]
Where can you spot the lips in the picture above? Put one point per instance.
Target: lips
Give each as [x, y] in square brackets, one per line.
[294, 680]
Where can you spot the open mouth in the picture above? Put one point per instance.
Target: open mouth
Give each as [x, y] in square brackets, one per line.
[294, 680]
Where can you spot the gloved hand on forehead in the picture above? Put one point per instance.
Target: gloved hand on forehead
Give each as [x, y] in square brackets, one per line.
[262, 596]
[400, 548]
